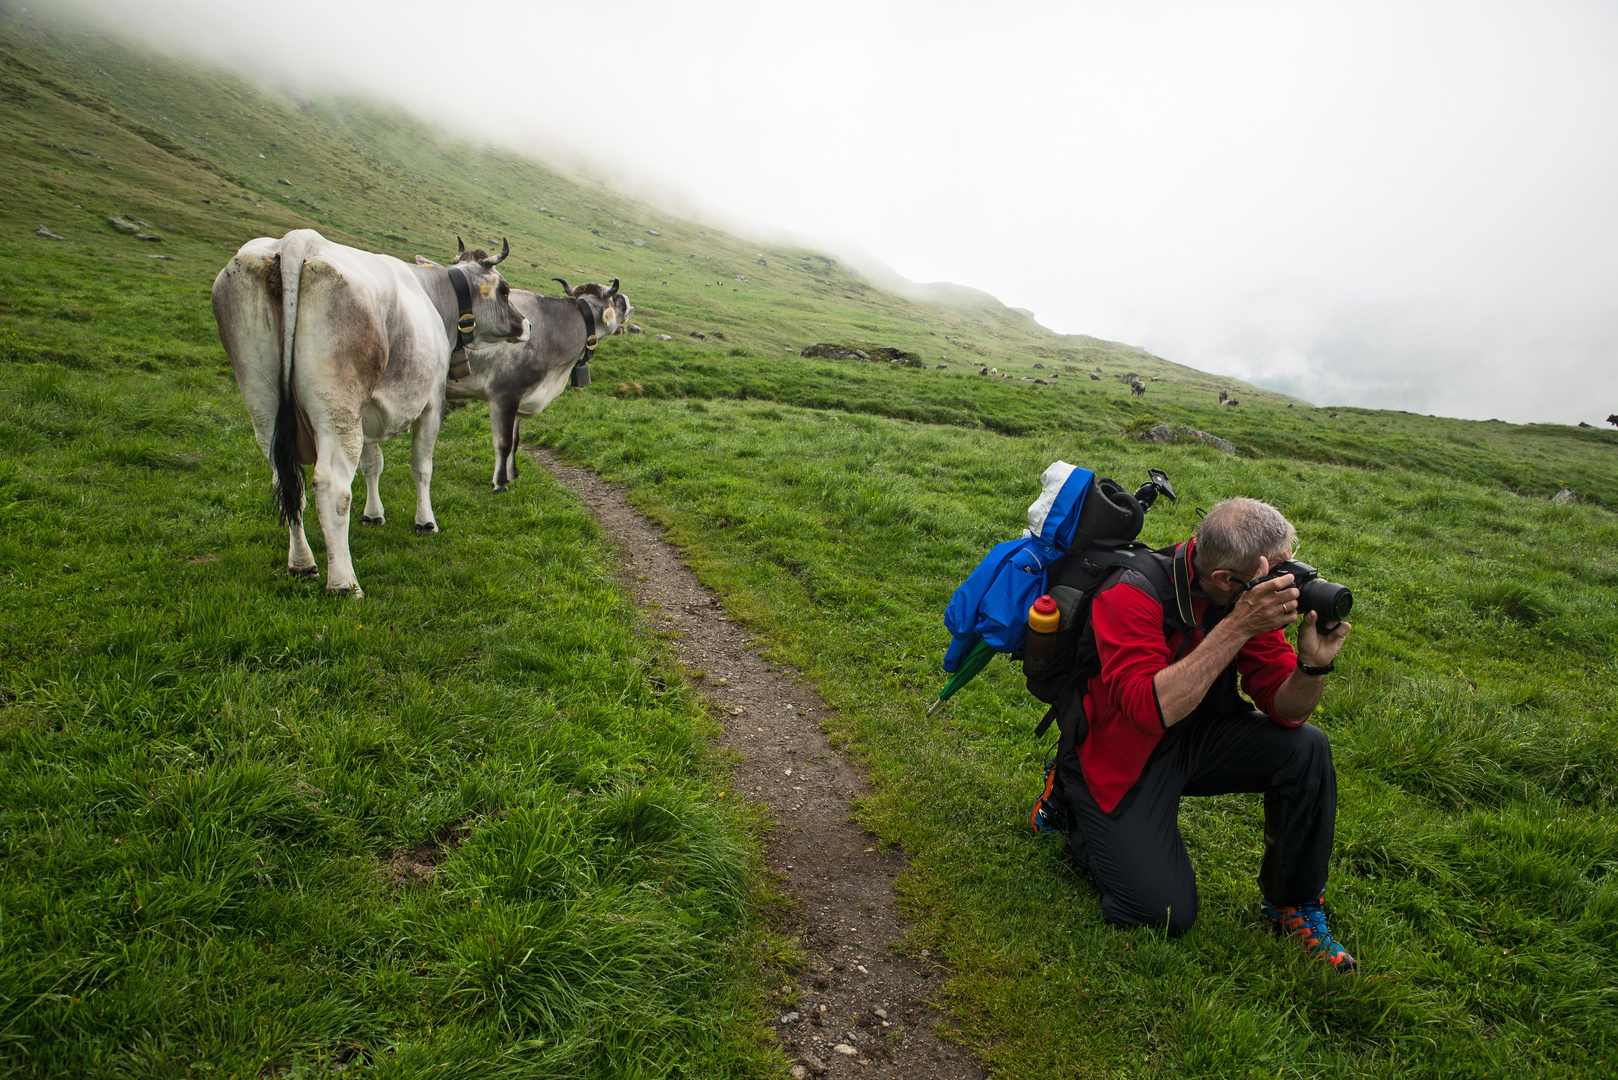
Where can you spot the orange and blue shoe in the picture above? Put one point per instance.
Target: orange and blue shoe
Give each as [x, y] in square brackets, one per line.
[1307, 923]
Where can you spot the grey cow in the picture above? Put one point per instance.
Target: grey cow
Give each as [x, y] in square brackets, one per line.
[518, 381]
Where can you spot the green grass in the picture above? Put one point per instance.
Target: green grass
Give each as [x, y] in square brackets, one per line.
[210, 768]
[1475, 865]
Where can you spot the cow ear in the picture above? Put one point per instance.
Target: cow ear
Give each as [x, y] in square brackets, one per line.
[422, 260]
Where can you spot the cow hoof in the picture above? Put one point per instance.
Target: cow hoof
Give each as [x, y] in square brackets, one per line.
[499, 488]
[422, 529]
[353, 592]
[303, 571]
[372, 520]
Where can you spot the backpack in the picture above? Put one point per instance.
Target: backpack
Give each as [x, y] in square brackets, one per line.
[1081, 530]
[1063, 681]
[1075, 511]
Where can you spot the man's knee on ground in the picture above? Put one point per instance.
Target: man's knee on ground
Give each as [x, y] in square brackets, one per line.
[1174, 913]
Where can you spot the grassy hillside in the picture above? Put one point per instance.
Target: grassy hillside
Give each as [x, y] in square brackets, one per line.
[473, 825]
[94, 127]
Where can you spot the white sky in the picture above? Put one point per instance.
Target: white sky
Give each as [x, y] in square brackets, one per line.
[1402, 205]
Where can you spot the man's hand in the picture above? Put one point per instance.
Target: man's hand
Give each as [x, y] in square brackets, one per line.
[1317, 649]
[1265, 606]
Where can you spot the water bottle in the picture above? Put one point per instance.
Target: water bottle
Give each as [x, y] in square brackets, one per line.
[1039, 645]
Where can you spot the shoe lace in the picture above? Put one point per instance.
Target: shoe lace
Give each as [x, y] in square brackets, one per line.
[1309, 915]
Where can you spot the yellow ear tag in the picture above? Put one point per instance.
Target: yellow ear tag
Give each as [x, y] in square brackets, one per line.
[486, 286]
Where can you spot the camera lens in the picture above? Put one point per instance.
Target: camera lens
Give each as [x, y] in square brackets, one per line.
[1331, 601]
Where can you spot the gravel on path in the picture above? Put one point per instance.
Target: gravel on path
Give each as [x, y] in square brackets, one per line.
[861, 1009]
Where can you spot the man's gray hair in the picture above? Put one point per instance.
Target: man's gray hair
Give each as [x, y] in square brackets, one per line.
[1238, 532]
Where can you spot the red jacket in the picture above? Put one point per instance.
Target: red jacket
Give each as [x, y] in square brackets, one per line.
[1126, 722]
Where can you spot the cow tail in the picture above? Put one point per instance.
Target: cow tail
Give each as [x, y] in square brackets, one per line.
[289, 480]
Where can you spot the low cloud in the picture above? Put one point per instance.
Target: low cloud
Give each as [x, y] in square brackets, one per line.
[1386, 204]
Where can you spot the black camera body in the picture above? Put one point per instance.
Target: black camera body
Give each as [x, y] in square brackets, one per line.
[1331, 602]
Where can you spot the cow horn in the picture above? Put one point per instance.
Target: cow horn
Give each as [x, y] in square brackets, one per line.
[460, 248]
[614, 290]
[563, 284]
[505, 249]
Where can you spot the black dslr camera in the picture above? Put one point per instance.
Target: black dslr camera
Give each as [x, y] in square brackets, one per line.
[1331, 602]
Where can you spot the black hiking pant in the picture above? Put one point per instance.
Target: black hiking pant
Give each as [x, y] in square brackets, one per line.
[1136, 856]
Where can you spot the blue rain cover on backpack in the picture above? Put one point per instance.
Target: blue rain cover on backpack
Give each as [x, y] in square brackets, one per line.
[992, 604]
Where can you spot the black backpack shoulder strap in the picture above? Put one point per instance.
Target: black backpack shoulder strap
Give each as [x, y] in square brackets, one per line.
[1165, 572]
[1169, 572]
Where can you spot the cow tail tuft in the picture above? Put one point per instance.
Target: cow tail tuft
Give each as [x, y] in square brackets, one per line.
[289, 479]
[288, 464]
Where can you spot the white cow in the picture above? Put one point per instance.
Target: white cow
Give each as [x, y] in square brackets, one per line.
[338, 350]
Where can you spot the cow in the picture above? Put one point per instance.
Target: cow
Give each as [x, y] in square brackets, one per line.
[335, 351]
[1612, 418]
[1136, 388]
[1224, 395]
[518, 381]
[618, 301]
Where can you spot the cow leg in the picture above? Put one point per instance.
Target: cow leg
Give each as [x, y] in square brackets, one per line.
[502, 424]
[337, 457]
[371, 466]
[423, 437]
[300, 560]
[516, 444]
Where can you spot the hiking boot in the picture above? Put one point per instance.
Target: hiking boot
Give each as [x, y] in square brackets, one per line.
[1049, 812]
[1307, 923]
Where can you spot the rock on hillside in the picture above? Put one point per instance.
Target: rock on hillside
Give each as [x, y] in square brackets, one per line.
[1167, 434]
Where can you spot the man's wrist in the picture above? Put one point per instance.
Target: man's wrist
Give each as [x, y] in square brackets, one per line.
[1317, 671]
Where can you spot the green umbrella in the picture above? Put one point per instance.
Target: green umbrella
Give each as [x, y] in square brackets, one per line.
[974, 663]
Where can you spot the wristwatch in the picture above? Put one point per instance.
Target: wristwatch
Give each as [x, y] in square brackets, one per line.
[1309, 669]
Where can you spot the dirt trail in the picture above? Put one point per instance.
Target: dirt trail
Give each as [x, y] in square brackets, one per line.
[861, 1010]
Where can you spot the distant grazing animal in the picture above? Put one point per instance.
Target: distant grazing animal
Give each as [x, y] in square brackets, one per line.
[1224, 396]
[518, 381]
[983, 371]
[699, 335]
[1612, 418]
[1137, 388]
[337, 350]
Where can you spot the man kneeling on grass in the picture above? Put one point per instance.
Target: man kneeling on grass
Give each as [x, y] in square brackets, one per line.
[1165, 720]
